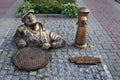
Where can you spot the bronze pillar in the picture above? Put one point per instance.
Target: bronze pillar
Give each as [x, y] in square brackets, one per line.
[81, 35]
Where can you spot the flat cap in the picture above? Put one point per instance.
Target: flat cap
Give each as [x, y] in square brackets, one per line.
[30, 11]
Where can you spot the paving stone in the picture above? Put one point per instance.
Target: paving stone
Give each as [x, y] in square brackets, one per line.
[31, 78]
[17, 73]
[116, 77]
[1, 50]
[115, 46]
[38, 76]
[24, 77]
[3, 72]
[107, 46]
[10, 72]
[117, 68]
[113, 56]
[103, 51]
[100, 46]
[60, 68]
[7, 77]
[115, 73]
[15, 78]
[1, 77]
[110, 61]
[32, 73]
[104, 55]
[103, 18]
[4, 53]
[7, 66]
[116, 51]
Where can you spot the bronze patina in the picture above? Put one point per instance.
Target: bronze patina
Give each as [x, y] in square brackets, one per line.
[35, 42]
[33, 34]
[85, 60]
[81, 35]
[30, 59]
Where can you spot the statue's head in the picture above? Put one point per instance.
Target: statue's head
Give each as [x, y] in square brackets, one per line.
[29, 18]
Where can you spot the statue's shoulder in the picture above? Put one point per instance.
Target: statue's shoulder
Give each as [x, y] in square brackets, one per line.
[40, 24]
[21, 27]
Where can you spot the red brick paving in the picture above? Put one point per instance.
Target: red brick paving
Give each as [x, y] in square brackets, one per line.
[5, 5]
[107, 16]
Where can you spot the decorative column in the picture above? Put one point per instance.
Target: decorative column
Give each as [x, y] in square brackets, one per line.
[81, 35]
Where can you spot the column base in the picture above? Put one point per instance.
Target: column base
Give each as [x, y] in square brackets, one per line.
[81, 46]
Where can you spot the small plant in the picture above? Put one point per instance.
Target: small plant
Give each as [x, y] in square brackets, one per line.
[118, 1]
[43, 77]
[67, 7]
[26, 6]
[70, 9]
[49, 7]
[66, 1]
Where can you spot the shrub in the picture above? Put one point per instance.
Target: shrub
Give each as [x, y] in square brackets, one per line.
[50, 7]
[70, 9]
[66, 1]
[26, 6]
[35, 1]
[60, 1]
[118, 1]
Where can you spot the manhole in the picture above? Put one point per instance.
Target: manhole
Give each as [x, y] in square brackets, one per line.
[31, 58]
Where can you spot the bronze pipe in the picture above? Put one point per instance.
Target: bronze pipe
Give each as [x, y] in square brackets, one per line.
[81, 35]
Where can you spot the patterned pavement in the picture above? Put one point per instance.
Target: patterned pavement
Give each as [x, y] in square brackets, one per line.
[5, 6]
[59, 67]
[107, 14]
[102, 39]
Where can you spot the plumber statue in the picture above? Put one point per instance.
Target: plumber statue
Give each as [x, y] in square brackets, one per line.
[33, 34]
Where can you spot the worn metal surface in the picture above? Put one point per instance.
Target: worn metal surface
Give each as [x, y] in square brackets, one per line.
[33, 34]
[31, 58]
[81, 35]
[85, 60]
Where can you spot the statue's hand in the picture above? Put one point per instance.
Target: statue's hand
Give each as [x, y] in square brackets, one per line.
[46, 45]
[22, 43]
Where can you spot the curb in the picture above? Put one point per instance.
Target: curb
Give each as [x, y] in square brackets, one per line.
[48, 15]
[117, 1]
[52, 15]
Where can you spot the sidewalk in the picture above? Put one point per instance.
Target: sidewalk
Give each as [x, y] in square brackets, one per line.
[100, 40]
[5, 6]
[108, 16]
[8, 10]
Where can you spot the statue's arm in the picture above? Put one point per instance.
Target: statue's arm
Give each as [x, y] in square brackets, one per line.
[57, 40]
[18, 38]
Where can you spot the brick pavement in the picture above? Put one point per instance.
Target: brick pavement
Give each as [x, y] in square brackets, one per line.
[7, 18]
[5, 5]
[109, 46]
[100, 44]
[108, 16]
[59, 68]
[114, 4]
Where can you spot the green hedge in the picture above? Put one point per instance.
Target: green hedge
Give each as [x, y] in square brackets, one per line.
[67, 7]
[118, 1]
[52, 1]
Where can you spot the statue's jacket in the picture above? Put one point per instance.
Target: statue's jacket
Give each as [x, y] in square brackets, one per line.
[37, 37]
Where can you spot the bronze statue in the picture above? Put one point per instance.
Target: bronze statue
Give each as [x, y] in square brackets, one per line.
[81, 35]
[33, 34]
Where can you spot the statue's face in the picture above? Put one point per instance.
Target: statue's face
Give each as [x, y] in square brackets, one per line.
[30, 19]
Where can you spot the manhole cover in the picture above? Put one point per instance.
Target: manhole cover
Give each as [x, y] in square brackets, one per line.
[31, 58]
